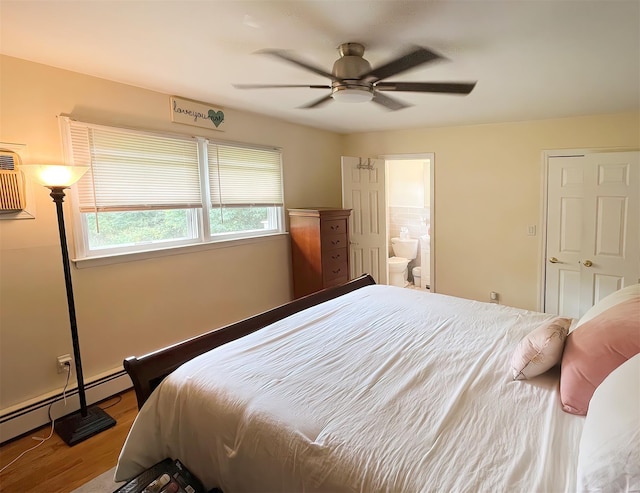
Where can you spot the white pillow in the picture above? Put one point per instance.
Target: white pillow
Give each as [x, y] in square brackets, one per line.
[624, 294]
[540, 349]
[609, 454]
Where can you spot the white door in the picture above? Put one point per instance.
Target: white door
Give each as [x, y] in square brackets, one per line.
[363, 191]
[593, 229]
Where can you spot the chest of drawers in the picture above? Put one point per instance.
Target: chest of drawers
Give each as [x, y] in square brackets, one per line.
[319, 248]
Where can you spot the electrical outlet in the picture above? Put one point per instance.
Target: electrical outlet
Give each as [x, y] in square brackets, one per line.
[63, 361]
[494, 297]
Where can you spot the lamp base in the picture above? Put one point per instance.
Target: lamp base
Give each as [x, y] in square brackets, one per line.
[76, 428]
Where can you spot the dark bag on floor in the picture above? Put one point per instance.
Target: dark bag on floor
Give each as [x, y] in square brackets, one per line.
[167, 476]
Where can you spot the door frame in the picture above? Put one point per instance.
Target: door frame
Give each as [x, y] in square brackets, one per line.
[432, 205]
[542, 245]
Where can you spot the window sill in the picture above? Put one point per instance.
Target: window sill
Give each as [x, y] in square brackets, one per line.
[166, 252]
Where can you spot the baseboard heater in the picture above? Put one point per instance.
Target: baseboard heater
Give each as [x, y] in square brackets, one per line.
[27, 417]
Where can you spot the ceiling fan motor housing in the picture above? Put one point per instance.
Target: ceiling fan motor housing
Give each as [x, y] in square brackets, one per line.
[349, 68]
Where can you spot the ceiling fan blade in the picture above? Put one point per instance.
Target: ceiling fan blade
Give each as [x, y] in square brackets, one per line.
[276, 86]
[389, 103]
[416, 57]
[287, 56]
[317, 102]
[442, 87]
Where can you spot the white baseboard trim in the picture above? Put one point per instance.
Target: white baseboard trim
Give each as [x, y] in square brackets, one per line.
[32, 414]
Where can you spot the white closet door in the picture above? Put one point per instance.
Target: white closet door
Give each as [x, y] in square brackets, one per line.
[593, 229]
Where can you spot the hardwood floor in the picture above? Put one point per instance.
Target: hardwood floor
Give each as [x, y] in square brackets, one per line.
[54, 467]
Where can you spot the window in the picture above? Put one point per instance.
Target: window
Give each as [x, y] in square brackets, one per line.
[147, 191]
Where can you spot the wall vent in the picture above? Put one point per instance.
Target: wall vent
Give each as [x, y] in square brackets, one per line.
[12, 193]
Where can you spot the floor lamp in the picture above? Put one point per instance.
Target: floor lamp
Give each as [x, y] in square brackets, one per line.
[88, 421]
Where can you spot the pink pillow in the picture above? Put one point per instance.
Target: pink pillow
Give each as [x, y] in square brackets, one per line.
[594, 350]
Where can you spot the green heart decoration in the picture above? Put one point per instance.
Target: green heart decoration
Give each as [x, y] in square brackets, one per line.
[217, 117]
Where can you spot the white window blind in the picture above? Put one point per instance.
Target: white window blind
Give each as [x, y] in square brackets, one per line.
[131, 170]
[244, 176]
[157, 191]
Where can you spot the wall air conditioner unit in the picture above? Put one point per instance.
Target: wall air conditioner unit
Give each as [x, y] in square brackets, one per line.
[12, 190]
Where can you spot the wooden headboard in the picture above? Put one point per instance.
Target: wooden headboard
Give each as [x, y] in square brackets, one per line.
[148, 371]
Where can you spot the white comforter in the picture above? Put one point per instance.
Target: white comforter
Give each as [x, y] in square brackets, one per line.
[384, 389]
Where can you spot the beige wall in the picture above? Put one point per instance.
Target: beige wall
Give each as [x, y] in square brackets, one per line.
[488, 189]
[131, 308]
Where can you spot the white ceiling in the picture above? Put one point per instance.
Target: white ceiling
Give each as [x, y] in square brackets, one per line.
[533, 59]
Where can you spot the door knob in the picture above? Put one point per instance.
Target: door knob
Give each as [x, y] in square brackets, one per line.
[554, 260]
[587, 263]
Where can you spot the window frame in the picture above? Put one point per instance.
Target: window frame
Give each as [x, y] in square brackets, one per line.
[200, 216]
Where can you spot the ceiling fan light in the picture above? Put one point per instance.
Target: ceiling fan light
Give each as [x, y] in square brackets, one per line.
[352, 94]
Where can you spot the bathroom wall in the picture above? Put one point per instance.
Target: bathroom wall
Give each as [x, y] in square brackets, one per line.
[408, 193]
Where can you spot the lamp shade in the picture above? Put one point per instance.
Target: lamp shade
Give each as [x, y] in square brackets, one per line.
[54, 175]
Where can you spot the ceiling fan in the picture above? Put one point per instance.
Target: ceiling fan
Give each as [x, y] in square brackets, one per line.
[353, 79]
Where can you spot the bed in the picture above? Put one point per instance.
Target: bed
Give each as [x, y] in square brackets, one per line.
[358, 388]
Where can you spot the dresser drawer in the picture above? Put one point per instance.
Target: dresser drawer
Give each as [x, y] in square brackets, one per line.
[335, 282]
[338, 266]
[334, 241]
[331, 257]
[334, 226]
[335, 273]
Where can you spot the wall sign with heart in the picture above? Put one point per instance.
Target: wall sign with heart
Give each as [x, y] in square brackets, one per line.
[217, 117]
[196, 113]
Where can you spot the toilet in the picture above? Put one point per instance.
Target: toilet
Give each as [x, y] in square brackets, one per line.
[405, 250]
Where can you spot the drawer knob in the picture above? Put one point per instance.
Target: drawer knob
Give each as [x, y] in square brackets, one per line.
[336, 242]
[336, 271]
[335, 257]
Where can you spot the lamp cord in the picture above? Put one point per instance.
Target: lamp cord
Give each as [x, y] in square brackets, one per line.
[41, 439]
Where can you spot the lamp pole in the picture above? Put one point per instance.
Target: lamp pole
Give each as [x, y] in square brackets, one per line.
[76, 427]
[57, 194]
[89, 421]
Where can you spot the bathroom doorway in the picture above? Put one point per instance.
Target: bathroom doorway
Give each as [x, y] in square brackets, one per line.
[375, 209]
[409, 211]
